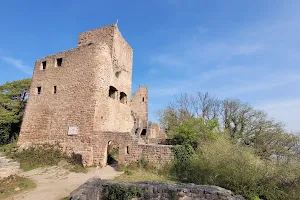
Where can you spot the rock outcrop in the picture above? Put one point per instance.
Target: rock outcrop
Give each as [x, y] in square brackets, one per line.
[95, 189]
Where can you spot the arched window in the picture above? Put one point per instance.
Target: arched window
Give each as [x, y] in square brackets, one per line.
[123, 98]
[112, 92]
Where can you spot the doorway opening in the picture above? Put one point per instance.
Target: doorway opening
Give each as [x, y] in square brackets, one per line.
[112, 153]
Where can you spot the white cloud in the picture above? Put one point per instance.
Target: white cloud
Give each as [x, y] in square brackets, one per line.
[222, 71]
[258, 60]
[271, 82]
[285, 110]
[17, 64]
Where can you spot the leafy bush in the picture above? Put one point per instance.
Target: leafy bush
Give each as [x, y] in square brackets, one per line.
[116, 192]
[237, 168]
[143, 163]
[182, 160]
[195, 131]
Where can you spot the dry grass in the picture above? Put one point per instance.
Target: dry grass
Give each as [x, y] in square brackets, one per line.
[140, 174]
[41, 156]
[14, 184]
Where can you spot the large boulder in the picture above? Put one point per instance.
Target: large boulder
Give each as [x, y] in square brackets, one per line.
[96, 189]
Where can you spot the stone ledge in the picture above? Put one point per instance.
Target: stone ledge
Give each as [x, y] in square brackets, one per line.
[96, 188]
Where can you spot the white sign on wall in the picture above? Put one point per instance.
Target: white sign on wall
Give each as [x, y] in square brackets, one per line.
[73, 130]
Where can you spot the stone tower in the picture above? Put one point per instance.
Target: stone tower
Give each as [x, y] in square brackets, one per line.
[80, 98]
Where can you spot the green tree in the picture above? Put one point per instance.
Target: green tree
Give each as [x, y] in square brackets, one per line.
[243, 123]
[13, 98]
[194, 131]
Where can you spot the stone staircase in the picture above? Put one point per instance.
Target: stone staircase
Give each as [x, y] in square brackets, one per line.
[7, 166]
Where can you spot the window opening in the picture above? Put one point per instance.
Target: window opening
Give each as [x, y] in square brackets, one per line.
[59, 62]
[123, 98]
[39, 89]
[112, 92]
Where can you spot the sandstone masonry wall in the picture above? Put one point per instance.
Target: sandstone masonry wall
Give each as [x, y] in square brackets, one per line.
[80, 99]
[139, 103]
[157, 155]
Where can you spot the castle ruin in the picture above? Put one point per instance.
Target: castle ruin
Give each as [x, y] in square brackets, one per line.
[80, 99]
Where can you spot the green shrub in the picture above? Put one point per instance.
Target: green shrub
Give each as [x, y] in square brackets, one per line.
[182, 160]
[143, 163]
[238, 169]
[12, 147]
[116, 192]
[195, 131]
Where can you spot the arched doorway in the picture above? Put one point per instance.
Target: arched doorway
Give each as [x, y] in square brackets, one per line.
[112, 153]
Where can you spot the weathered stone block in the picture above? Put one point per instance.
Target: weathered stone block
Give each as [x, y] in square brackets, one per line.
[95, 189]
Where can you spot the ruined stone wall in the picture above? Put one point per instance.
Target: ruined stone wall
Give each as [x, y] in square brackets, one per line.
[139, 103]
[48, 116]
[154, 131]
[114, 69]
[130, 150]
[100, 35]
[157, 155]
[96, 188]
[82, 95]
[81, 115]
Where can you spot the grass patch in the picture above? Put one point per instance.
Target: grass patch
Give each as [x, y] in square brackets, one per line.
[143, 175]
[41, 156]
[143, 171]
[13, 184]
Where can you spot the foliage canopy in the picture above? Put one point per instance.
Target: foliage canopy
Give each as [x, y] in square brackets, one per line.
[13, 99]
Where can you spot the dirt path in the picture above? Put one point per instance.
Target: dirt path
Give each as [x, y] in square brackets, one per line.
[54, 183]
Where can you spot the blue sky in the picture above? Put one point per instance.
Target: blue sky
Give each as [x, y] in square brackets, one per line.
[245, 49]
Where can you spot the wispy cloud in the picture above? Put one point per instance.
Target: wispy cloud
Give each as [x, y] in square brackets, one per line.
[260, 60]
[18, 64]
[168, 60]
[273, 81]
[286, 110]
[283, 103]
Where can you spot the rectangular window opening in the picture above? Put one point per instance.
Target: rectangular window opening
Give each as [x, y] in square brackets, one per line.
[59, 62]
[44, 65]
[113, 92]
[39, 89]
[54, 89]
[127, 150]
[144, 131]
